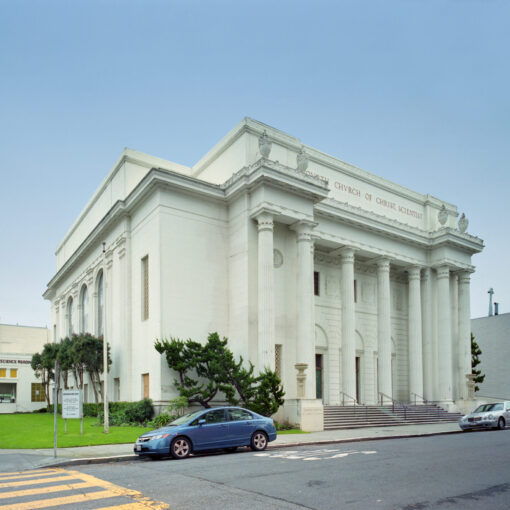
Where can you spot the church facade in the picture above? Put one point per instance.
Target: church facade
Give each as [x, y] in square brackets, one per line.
[353, 288]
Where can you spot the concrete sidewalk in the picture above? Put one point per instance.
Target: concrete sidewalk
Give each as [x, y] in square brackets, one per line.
[18, 460]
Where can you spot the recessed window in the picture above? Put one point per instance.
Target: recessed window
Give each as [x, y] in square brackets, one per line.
[145, 288]
[70, 316]
[84, 309]
[145, 385]
[100, 305]
[14, 373]
[8, 393]
[316, 283]
[355, 291]
[3, 372]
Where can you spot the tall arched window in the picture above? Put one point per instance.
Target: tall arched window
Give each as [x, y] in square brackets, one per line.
[84, 307]
[70, 316]
[100, 305]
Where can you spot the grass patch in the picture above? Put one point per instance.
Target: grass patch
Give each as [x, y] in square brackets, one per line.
[36, 431]
[292, 431]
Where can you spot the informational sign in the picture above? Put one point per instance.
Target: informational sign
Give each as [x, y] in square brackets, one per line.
[72, 404]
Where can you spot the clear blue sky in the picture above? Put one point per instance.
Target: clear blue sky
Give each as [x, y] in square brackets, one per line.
[415, 91]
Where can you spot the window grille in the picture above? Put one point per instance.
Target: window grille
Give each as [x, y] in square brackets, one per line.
[278, 360]
[38, 394]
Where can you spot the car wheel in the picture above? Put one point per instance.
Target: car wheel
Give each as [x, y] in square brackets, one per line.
[501, 423]
[258, 441]
[180, 448]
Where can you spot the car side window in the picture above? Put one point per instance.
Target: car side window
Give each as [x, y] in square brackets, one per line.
[239, 415]
[498, 407]
[216, 416]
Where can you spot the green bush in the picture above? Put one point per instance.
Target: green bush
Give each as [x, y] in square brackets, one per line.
[162, 420]
[128, 412]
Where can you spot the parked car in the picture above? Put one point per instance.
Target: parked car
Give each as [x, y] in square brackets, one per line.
[494, 415]
[208, 429]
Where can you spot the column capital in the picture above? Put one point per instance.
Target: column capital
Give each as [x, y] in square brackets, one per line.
[346, 254]
[464, 277]
[443, 271]
[303, 229]
[414, 272]
[427, 271]
[383, 264]
[264, 221]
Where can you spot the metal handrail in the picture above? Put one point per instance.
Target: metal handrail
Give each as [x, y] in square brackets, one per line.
[354, 400]
[393, 403]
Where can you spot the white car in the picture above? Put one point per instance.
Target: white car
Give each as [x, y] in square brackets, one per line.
[495, 416]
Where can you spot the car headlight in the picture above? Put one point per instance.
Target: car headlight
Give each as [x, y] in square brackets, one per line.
[159, 436]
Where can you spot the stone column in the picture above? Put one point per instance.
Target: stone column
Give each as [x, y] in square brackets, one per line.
[266, 315]
[464, 333]
[415, 336]
[348, 324]
[305, 330]
[454, 318]
[384, 327]
[428, 351]
[444, 335]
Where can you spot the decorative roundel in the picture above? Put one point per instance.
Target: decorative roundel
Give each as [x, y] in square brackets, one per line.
[277, 258]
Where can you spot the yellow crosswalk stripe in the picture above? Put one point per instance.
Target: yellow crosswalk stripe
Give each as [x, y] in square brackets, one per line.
[80, 481]
[45, 490]
[25, 474]
[65, 500]
[39, 480]
[147, 505]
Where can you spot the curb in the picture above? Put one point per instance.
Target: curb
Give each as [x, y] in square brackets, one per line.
[131, 457]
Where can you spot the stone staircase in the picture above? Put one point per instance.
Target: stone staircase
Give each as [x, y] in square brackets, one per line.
[352, 417]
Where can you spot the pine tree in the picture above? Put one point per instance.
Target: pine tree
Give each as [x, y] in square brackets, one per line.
[475, 361]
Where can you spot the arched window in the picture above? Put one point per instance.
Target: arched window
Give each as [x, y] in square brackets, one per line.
[70, 316]
[100, 305]
[84, 307]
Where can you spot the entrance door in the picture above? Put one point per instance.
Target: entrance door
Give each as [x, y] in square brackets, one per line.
[318, 375]
[358, 392]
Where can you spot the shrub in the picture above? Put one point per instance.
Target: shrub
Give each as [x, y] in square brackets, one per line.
[128, 412]
[162, 420]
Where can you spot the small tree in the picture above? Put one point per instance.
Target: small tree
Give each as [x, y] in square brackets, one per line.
[206, 370]
[43, 364]
[475, 361]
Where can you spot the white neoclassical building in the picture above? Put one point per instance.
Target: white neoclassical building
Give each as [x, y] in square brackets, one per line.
[350, 286]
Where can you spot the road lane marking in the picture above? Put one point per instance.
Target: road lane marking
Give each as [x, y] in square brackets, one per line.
[146, 505]
[44, 490]
[307, 455]
[65, 500]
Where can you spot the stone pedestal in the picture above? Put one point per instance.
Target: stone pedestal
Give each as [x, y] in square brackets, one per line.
[305, 413]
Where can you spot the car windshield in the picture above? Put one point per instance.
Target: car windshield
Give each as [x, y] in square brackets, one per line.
[484, 408]
[185, 418]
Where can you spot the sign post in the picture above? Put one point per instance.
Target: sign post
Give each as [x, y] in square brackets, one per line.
[72, 405]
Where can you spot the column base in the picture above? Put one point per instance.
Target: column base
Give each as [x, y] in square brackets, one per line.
[305, 413]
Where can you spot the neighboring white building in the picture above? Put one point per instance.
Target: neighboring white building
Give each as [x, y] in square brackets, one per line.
[492, 334]
[20, 389]
[350, 286]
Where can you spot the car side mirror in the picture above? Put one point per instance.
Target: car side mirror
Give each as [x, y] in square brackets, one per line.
[201, 422]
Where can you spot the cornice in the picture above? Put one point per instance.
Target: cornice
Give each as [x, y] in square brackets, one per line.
[370, 221]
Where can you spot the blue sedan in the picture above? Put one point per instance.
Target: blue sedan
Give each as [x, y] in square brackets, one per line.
[209, 429]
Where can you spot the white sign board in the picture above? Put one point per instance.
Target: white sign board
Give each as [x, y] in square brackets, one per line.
[72, 405]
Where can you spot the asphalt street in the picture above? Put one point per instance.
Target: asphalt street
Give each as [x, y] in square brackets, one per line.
[463, 471]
